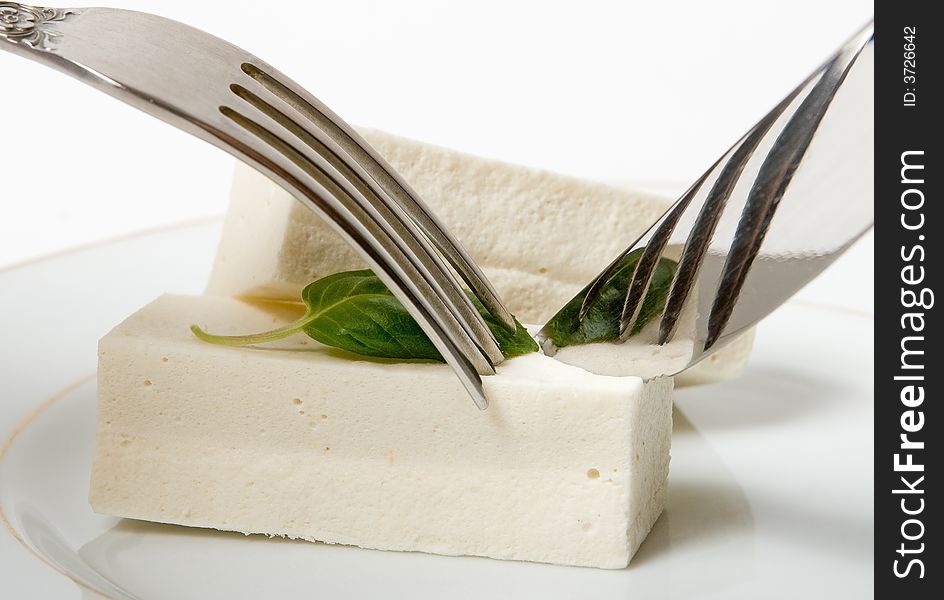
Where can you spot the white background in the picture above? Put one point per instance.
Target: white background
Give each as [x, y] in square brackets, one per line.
[645, 91]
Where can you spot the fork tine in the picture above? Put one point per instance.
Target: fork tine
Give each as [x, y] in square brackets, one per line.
[400, 227]
[642, 275]
[710, 214]
[671, 215]
[596, 286]
[394, 185]
[772, 180]
[391, 264]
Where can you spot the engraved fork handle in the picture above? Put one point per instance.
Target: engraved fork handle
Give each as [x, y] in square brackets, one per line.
[33, 26]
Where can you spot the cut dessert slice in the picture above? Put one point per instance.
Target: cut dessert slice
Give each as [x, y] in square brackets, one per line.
[539, 236]
[299, 440]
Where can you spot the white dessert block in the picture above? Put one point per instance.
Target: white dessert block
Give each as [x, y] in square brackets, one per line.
[299, 440]
[539, 236]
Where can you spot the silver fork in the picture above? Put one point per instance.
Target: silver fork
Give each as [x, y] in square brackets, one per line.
[723, 228]
[228, 97]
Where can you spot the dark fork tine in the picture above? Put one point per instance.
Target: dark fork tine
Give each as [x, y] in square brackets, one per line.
[771, 183]
[710, 214]
[642, 275]
[596, 286]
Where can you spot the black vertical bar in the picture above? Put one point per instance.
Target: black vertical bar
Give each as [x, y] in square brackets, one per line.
[908, 272]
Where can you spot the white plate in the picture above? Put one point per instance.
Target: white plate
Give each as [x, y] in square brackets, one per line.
[770, 486]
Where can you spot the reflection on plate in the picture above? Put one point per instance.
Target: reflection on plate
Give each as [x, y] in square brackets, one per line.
[770, 485]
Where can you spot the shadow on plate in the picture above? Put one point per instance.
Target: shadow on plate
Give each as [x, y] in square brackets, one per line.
[763, 395]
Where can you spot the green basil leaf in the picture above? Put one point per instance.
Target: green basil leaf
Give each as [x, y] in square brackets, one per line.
[511, 344]
[601, 323]
[355, 311]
